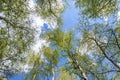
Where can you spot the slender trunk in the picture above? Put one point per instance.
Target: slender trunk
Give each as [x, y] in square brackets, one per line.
[34, 76]
[53, 74]
[80, 68]
[84, 76]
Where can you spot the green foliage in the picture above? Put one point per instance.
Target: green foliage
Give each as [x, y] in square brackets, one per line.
[51, 56]
[101, 42]
[116, 77]
[95, 54]
[50, 10]
[47, 8]
[95, 8]
[16, 34]
[64, 75]
[88, 58]
[60, 38]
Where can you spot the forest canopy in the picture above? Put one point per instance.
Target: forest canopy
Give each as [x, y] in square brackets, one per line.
[94, 54]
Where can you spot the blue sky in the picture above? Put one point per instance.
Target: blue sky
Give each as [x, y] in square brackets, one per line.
[18, 76]
[70, 18]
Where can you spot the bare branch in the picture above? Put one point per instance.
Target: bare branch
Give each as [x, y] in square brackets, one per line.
[103, 52]
[109, 71]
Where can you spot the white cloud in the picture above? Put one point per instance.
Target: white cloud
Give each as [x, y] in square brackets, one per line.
[31, 4]
[38, 23]
[25, 68]
[39, 44]
[118, 15]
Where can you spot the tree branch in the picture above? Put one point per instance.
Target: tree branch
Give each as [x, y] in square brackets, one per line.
[104, 72]
[103, 52]
[14, 25]
[117, 43]
[78, 65]
[50, 9]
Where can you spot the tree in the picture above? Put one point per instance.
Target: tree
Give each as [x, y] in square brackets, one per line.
[62, 45]
[97, 8]
[50, 10]
[64, 75]
[16, 32]
[103, 44]
[95, 55]
[101, 41]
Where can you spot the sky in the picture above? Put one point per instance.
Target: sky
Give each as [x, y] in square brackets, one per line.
[70, 18]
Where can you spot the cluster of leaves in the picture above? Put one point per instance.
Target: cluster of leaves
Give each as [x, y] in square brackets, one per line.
[94, 8]
[16, 34]
[96, 57]
[50, 10]
[101, 41]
